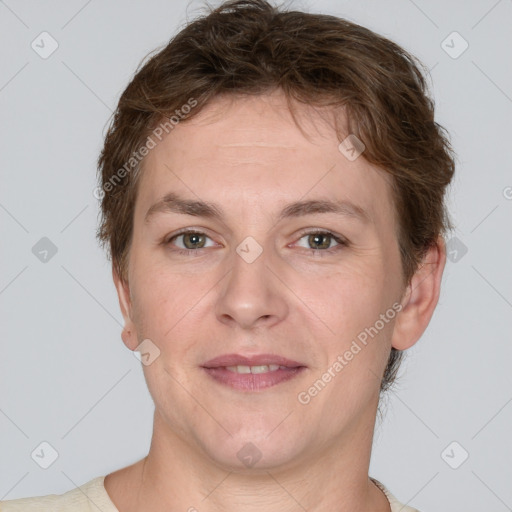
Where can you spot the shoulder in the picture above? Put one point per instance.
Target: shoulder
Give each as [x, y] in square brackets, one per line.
[89, 497]
[395, 505]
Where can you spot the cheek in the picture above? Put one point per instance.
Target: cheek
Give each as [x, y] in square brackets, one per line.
[159, 288]
[170, 310]
[357, 308]
[358, 353]
[158, 303]
[350, 298]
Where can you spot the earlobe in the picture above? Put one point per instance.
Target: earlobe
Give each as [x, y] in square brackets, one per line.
[129, 333]
[420, 299]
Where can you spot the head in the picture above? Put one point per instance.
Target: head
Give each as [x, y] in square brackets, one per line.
[245, 110]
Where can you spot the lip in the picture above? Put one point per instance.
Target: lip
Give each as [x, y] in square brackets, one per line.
[216, 369]
[254, 360]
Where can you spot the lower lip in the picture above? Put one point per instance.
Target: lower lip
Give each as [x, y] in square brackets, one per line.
[252, 381]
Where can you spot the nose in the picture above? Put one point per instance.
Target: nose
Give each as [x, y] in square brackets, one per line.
[251, 294]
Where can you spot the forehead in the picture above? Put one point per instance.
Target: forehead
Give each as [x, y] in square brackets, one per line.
[250, 149]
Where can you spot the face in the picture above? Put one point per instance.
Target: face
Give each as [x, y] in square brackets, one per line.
[255, 276]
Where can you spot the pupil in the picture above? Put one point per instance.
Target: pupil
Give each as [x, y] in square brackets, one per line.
[194, 239]
[314, 239]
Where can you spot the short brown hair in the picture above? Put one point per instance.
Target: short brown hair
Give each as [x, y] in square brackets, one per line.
[251, 47]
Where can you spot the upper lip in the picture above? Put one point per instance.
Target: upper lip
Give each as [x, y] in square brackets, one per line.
[254, 360]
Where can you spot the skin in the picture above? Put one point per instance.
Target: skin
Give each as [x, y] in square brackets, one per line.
[247, 156]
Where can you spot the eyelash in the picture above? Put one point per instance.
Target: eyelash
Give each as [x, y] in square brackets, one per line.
[197, 252]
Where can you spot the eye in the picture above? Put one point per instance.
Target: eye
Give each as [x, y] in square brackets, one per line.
[192, 241]
[320, 241]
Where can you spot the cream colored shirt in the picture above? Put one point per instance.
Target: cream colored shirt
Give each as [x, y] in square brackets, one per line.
[92, 497]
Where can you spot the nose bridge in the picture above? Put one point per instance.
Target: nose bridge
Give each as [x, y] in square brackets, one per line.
[251, 293]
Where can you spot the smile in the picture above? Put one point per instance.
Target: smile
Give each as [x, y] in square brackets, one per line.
[254, 372]
[255, 369]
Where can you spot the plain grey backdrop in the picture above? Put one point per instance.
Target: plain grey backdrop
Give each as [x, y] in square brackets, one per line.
[67, 380]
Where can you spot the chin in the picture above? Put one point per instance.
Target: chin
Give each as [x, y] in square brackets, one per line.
[254, 450]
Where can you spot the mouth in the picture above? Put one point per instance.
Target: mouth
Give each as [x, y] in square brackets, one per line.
[252, 373]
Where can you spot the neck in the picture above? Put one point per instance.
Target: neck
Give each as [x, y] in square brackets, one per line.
[176, 475]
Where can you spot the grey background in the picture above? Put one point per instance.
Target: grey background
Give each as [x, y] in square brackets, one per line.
[66, 377]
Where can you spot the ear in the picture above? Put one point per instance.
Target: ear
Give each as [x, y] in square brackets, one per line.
[129, 334]
[420, 298]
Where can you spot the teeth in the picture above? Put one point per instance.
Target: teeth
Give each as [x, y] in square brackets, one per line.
[254, 369]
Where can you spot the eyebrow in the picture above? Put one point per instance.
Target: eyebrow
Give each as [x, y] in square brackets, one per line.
[173, 203]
